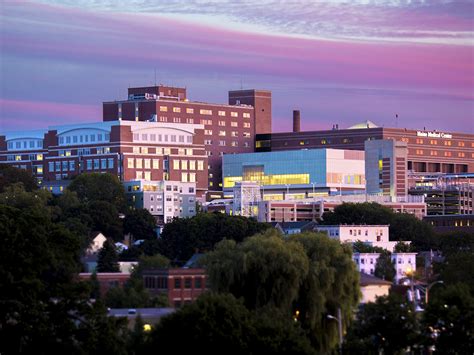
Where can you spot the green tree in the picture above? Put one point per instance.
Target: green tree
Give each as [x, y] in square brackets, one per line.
[449, 319]
[140, 224]
[401, 247]
[458, 268]
[405, 226]
[105, 218]
[10, 175]
[44, 308]
[387, 326]
[108, 259]
[221, 324]
[308, 273]
[99, 187]
[384, 267]
[362, 247]
[183, 237]
[95, 286]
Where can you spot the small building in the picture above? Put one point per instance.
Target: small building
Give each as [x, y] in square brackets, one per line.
[403, 262]
[373, 235]
[107, 280]
[182, 285]
[372, 287]
[164, 200]
[98, 240]
[288, 228]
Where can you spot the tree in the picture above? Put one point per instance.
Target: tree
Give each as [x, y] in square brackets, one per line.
[361, 247]
[183, 237]
[387, 326]
[310, 273]
[384, 267]
[140, 223]
[108, 259]
[405, 226]
[401, 247]
[105, 218]
[44, 308]
[458, 268]
[221, 324]
[99, 187]
[10, 175]
[449, 319]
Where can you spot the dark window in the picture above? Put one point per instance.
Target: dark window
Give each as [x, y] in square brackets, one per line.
[197, 282]
[177, 283]
[187, 282]
[177, 304]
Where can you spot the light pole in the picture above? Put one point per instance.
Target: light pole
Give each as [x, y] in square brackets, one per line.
[339, 326]
[429, 287]
[313, 183]
[287, 191]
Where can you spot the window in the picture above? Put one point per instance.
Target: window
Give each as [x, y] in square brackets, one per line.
[147, 175]
[175, 164]
[163, 108]
[192, 165]
[192, 177]
[235, 144]
[246, 115]
[189, 120]
[51, 166]
[234, 114]
[222, 143]
[58, 166]
[419, 151]
[207, 142]
[184, 177]
[176, 109]
[111, 163]
[234, 134]
[246, 134]
[461, 144]
[221, 113]
[130, 164]
[200, 165]
[103, 163]
[205, 112]
[89, 164]
[187, 282]
[147, 163]
[156, 164]
[189, 110]
[198, 282]
[176, 120]
[222, 133]
[208, 122]
[221, 123]
[246, 124]
[184, 164]
[234, 124]
[72, 165]
[419, 141]
[138, 163]
[208, 132]
[96, 164]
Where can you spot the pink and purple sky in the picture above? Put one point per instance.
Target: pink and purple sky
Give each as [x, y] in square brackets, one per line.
[337, 62]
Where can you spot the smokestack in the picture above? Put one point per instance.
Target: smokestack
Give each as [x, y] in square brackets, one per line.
[296, 121]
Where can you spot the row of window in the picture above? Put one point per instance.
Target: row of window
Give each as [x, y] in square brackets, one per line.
[25, 144]
[446, 154]
[84, 138]
[153, 137]
[65, 165]
[202, 111]
[154, 282]
[435, 142]
[184, 164]
[96, 164]
[208, 132]
[31, 157]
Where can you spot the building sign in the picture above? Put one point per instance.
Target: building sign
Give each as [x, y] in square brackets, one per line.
[434, 134]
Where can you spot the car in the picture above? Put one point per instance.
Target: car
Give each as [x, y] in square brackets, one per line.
[132, 311]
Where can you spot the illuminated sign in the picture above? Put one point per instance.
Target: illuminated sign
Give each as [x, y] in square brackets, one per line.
[434, 134]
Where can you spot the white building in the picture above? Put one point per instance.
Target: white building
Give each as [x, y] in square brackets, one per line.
[402, 262]
[163, 199]
[373, 235]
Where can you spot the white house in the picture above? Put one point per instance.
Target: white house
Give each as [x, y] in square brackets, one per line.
[96, 244]
[374, 235]
[402, 262]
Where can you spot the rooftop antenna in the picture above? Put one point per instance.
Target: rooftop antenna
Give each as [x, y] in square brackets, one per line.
[155, 76]
[396, 120]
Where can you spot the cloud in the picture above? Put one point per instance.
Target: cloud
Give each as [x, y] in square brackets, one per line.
[448, 22]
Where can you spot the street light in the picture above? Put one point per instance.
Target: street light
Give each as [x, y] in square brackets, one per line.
[287, 191]
[313, 183]
[339, 326]
[410, 273]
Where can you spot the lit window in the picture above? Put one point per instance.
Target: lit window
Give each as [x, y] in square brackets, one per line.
[234, 124]
[222, 133]
[246, 115]
[234, 114]
[189, 110]
[205, 112]
[184, 164]
[246, 124]
[208, 132]
[176, 109]
[222, 123]
[221, 113]
[163, 108]
[156, 164]
[138, 163]
[175, 164]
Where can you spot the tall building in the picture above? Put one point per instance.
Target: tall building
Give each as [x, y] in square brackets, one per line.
[151, 151]
[227, 128]
[386, 167]
[428, 151]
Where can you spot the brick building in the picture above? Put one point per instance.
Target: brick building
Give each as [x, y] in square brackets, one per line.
[182, 285]
[227, 128]
[427, 151]
[131, 150]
